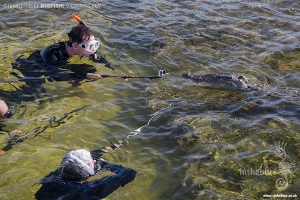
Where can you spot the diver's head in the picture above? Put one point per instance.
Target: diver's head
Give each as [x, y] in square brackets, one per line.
[81, 41]
[78, 165]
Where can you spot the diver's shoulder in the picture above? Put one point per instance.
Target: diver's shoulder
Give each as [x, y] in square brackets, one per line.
[54, 54]
[51, 48]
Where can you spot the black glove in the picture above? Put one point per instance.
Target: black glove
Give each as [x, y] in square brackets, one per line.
[102, 60]
[101, 164]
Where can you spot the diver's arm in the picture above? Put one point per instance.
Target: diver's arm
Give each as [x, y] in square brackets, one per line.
[123, 175]
[82, 71]
[65, 72]
[70, 72]
[54, 71]
[63, 76]
[107, 185]
[85, 71]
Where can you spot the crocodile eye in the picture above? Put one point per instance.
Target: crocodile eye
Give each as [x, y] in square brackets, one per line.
[240, 77]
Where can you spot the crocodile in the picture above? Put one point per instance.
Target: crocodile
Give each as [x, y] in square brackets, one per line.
[221, 81]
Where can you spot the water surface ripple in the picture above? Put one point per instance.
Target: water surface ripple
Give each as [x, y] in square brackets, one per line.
[199, 146]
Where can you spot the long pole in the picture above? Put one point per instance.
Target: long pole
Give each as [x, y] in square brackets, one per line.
[161, 73]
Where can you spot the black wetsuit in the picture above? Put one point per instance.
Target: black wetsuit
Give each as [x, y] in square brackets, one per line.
[55, 187]
[53, 55]
[50, 63]
[56, 55]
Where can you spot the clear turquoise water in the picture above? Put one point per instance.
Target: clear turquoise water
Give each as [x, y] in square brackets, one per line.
[197, 147]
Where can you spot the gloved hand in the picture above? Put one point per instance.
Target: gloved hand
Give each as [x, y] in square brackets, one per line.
[108, 65]
[93, 76]
[102, 60]
[101, 164]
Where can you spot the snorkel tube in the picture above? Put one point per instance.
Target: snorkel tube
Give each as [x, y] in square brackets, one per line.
[78, 19]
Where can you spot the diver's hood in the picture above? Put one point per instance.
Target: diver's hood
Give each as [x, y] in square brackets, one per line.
[77, 165]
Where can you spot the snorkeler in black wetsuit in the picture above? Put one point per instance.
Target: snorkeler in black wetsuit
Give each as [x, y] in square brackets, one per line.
[51, 63]
[68, 182]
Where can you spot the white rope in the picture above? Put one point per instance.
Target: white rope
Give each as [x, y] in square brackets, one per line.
[137, 131]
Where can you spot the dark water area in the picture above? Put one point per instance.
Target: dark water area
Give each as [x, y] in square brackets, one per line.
[201, 142]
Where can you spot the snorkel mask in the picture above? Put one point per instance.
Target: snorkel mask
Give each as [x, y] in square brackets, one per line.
[90, 46]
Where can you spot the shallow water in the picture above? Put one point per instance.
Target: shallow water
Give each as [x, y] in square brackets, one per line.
[198, 146]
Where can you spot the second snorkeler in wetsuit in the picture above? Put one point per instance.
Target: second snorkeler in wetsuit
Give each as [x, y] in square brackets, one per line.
[70, 181]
